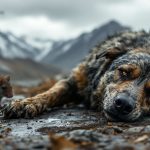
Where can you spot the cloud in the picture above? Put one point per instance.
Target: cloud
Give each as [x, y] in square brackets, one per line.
[39, 26]
[67, 18]
[76, 12]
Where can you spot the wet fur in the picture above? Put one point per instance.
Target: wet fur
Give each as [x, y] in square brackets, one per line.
[94, 79]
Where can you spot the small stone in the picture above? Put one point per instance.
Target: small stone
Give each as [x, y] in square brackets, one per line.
[29, 127]
[134, 130]
[141, 139]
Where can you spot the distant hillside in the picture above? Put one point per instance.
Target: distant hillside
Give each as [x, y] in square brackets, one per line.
[26, 69]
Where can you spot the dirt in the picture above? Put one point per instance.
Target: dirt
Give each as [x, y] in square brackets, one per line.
[77, 128]
[73, 127]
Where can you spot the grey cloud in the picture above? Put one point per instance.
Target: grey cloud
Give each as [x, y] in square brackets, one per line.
[80, 13]
[77, 12]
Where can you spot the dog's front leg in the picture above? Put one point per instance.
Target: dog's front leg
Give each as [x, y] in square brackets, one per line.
[59, 94]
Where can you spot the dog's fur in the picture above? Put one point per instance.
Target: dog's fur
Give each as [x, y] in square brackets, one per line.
[5, 87]
[121, 64]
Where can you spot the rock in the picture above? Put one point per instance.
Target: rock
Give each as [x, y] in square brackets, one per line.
[134, 130]
[141, 139]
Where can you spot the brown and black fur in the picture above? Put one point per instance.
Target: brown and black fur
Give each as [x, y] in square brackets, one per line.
[5, 87]
[119, 65]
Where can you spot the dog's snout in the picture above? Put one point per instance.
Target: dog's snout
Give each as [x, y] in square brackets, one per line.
[124, 104]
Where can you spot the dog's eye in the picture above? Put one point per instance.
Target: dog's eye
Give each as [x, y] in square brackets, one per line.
[147, 89]
[129, 72]
[124, 74]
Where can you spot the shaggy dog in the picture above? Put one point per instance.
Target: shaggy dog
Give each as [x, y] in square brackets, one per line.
[113, 78]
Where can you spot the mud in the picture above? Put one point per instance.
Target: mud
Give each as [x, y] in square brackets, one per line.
[56, 120]
[73, 128]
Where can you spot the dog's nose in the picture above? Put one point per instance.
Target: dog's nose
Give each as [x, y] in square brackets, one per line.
[124, 104]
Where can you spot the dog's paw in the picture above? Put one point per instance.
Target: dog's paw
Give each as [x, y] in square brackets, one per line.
[19, 109]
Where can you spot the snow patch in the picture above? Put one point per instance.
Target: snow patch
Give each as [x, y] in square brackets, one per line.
[42, 55]
[66, 47]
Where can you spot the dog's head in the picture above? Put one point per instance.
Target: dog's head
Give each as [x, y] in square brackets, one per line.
[126, 86]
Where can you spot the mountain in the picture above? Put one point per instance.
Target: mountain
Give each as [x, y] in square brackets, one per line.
[15, 47]
[61, 54]
[43, 45]
[18, 55]
[66, 54]
[27, 69]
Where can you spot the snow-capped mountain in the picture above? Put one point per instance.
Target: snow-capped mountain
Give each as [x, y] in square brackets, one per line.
[63, 54]
[66, 54]
[18, 55]
[23, 47]
[15, 47]
[43, 45]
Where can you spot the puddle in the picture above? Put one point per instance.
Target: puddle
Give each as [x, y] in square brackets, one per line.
[56, 120]
[53, 120]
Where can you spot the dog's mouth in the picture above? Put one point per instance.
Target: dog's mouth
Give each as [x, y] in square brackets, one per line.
[115, 117]
[111, 116]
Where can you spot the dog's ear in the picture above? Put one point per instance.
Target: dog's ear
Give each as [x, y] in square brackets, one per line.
[105, 58]
[113, 53]
[110, 55]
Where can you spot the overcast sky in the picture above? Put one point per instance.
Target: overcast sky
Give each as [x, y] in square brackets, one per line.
[61, 19]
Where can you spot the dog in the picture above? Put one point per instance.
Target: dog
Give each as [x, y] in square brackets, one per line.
[5, 87]
[113, 78]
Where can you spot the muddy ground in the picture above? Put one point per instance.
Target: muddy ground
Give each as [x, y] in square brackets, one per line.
[73, 128]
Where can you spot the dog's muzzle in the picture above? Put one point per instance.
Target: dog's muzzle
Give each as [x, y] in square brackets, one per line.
[124, 104]
[122, 107]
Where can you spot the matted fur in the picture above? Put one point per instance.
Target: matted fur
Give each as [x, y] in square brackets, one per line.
[97, 80]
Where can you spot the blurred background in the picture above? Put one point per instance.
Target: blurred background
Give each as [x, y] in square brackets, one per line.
[46, 39]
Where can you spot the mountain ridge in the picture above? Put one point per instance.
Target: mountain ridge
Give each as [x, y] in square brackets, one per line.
[76, 49]
[48, 56]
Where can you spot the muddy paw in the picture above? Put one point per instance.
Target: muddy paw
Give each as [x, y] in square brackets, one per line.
[18, 109]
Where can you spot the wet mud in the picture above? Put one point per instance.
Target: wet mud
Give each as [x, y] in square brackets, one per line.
[73, 128]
